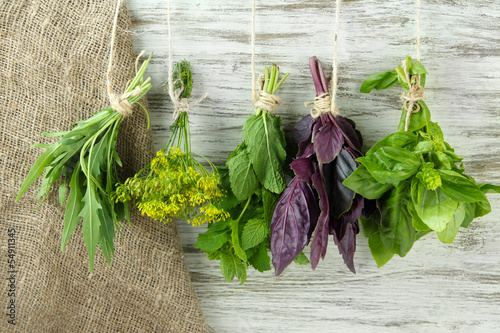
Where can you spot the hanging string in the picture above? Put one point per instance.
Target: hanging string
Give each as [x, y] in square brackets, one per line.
[180, 104]
[119, 103]
[333, 108]
[326, 102]
[261, 99]
[415, 91]
[418, 29]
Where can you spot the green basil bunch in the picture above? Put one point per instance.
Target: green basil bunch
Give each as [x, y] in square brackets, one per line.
[414, 177]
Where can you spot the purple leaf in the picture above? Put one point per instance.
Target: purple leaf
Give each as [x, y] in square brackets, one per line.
[328, 140]
[294, 212]
[302, 130]
[372, 209]
[339, 197]
[304, 168]
[306, 148]
[320, 239]
[338, 226]
[348, 132]
[347, 246]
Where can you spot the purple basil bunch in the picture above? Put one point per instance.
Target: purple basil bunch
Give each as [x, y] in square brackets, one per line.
[315, 201]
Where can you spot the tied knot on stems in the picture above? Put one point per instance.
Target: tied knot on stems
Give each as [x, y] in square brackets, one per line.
[322, 104]
[182, 104]
[410, 99]
[121, 104]
[265, 100]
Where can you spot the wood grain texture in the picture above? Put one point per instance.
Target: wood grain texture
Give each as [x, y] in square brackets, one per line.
[437, 287]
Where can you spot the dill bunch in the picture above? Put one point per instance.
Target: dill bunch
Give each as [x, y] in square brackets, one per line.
[174, 184]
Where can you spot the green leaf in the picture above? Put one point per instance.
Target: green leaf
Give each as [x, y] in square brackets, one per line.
[391, 165]
[235, 238]
[260, 260]
[395, 140]
[417, 120]
[301, 259]
[418, 68]
[254, 232]
[215, 237]
[379, 81]
[107, 229]
[380, 253]
[489, 188]
[37, 169]
[415, 219]
[397, 232]
[74, 206]
[243, 180]
[434, 207]
[460, 188]
[370, 226]
[62, 193]
[269, 201]
[361, 181]
[230, 265]
[423, 147]
[265, 146]
[91, 224]
[451, 230]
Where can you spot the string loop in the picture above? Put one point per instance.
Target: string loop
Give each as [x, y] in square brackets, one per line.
[415, 93]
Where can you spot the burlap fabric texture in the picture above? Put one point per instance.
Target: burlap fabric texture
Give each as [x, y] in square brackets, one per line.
[53, 60]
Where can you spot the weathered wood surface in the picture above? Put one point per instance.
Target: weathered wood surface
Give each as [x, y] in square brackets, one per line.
[437, 287]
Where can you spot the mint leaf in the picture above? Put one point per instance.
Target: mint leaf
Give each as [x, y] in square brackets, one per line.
[260, 260]
[301, 259]
[243, 180]
[235, 238]
[231, 266]
[215, 237]
[254, 233]
[265, 145]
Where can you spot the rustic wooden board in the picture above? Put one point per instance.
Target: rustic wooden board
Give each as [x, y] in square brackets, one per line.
[437, 287]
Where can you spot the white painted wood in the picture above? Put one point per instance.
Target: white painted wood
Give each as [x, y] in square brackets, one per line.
[437, 287]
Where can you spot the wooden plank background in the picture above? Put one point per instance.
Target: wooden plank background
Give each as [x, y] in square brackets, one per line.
[437, 287]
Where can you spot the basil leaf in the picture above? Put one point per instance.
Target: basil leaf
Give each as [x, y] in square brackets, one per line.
[417, 120]
[397, 232]
[395, 140]
[460, 188]
[434, 207]
[322, 230]
[451, 230]
[361, 181]
[340, 197]
[391, 165]
[294, 213]
[380, 253]
[328, 141]
[418, 68]
[379, 81]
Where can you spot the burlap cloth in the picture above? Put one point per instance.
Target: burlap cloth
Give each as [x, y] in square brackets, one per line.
[53, 59]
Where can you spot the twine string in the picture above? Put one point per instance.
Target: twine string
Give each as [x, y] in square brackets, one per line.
[261, 99]
[333, 107]
[415, 91]
[119, 103]
[180, 104]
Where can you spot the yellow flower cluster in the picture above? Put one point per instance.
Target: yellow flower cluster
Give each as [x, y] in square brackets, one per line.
[176, 187]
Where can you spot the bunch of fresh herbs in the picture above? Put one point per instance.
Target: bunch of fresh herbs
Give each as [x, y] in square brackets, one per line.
[315, 201]
[253, 178]
[86, 158]
[175, 184]
[415, 177]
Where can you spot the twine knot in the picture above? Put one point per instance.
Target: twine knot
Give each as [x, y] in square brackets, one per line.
[322, 104]
[183, 104]
[410, 100]
[264, 100]
[121, 104]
